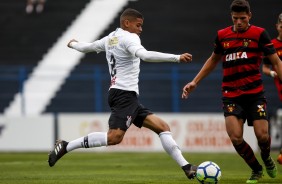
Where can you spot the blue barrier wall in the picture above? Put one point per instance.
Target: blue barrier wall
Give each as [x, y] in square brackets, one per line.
[85, 90]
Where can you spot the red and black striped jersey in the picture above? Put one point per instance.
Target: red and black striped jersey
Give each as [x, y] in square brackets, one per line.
[278, 46]
[242, 55]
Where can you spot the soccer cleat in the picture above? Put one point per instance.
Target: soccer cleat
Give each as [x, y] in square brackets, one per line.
[270, 167]
[190, 171]
[255, 176]
[58, 152]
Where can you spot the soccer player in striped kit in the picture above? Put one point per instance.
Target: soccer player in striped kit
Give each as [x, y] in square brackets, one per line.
[270, 71]
[123, 52]
[239, 47]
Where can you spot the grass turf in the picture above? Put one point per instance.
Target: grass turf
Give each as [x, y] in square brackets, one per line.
[118, 168]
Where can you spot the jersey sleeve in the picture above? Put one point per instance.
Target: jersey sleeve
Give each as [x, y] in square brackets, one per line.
[265, 43]
[152, 56]
[133, 45]
[217, 46]
[96, 46]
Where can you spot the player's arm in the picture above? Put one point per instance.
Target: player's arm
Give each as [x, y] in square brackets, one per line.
[276, 64]
[266, 69]
[208, 67]
[133, 45]
[271, 56]
[152, 56]
[96, 46]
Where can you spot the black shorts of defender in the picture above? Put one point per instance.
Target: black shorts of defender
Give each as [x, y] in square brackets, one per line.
[125, 109]
[247, 107]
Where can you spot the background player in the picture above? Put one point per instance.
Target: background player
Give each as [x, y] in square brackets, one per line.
[240, 49]
[270, 71]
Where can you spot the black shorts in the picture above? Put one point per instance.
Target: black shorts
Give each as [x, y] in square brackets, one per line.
[247, 107]
[125, 109]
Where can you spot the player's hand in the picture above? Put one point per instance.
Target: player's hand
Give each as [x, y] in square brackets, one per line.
[185, 58]
[72, 40]
[188, 88]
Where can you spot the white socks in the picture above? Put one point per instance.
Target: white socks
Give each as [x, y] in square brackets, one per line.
[172, 148]
[95, 139]
[98, 139]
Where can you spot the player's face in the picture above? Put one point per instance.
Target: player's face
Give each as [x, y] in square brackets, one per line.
[135, 26]
[279, 29]
[241, 20]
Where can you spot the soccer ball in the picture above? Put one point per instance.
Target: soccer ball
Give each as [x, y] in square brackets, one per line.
[208, 172]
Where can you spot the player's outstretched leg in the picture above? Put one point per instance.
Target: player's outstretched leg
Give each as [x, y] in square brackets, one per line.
[173, 150]
[58, 151]
[255, 176]
[190, 171]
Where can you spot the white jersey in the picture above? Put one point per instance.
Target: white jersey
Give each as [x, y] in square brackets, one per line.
[123, 52]
[124, 67]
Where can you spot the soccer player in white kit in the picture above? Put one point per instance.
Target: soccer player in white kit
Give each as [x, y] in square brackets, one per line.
[123, 52]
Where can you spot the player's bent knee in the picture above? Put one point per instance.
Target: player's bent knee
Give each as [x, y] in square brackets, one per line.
[115, 136]
[115, 140]
[236, 140]
[263, 138]
[162, 127]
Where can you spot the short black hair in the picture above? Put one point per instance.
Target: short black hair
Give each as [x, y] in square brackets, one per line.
[240, 6]
[131, 13]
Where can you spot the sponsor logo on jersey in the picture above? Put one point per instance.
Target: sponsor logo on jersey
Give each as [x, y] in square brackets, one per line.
[225, 45]
[237, 55]
[113, 41]
[246, 42]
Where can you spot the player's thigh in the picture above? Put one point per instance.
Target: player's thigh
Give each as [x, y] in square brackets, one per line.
[155, 123]
[234, 128]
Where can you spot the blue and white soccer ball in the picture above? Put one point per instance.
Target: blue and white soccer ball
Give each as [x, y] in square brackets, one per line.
[208, 172]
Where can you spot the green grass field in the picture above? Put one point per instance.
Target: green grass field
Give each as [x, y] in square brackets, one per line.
[117, 168]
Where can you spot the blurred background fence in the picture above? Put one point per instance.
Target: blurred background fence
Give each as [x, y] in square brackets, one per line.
[85, 90]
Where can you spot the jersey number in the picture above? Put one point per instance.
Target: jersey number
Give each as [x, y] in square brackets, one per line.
[113, 66]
